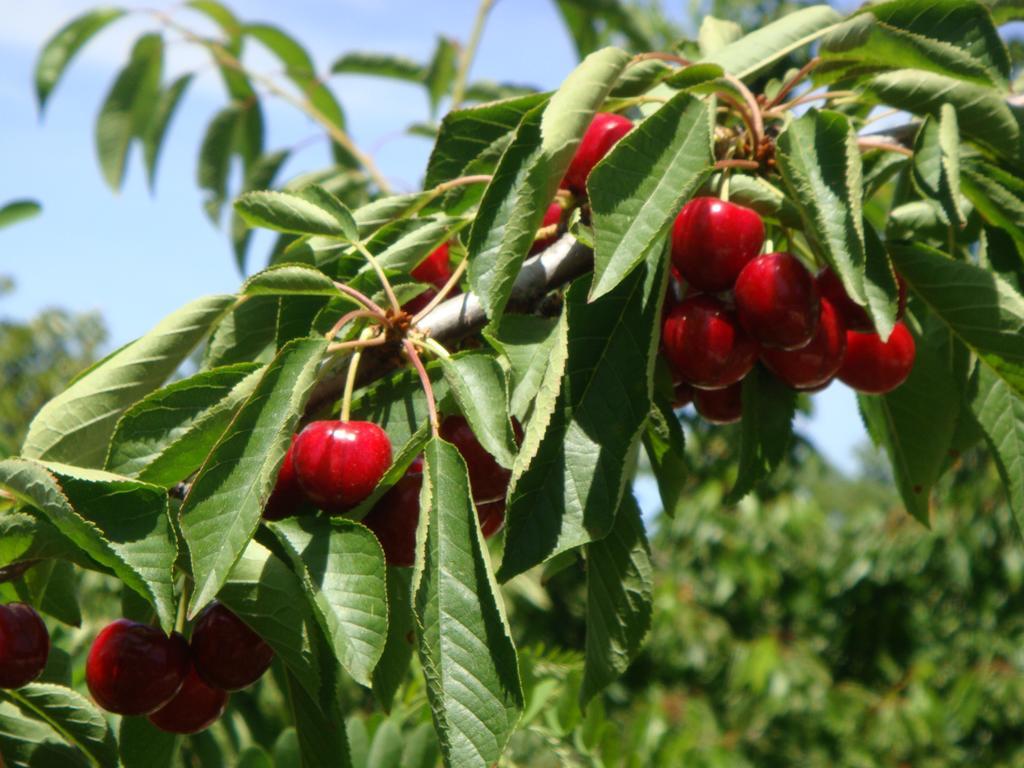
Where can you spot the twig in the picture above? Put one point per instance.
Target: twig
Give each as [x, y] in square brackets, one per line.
[380, 276]
[466, 61]
[428, 389]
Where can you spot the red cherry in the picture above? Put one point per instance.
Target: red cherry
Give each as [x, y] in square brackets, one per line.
[134, 669]
[418, 302]
[287, 499]
[195, 707]
[226, 653]
[488, 480]
[706, 345]
[436, 268]
[720, 406]
[855, 317]
[777, 301]
[339, 463]
[24, 645]
[395, 516]
[603, 133]
[552, 215]
[683, 395]
[874, 366]
[712, 240]
[491, 516]
[814, 364]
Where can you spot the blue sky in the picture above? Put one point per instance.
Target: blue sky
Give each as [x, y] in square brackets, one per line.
[137, 256]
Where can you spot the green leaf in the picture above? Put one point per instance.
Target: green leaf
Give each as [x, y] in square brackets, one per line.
[18, 210]
[636, 191]
[72, 716]
[259, 175]
[574, 465]
[526, 341]
[322, 737]
[979, 307]
[215, 159]
[225, 503]
[76, 425]
[715, 34]
[440, 74]
[60, 49]
[120, 523]
[299, 64]
[937, 164]
[528, 176]
[664, 443]
[465, 645]
[26, 537]
[769, 406]
[27, 742]
[290, 279]
[379, 65]
[391, 670]
[341, 566]
[129, 104]
[165, 437]
[999, 410]
[998, 196]
[53, 587]
[143, 745]
[481, 390]
[619, 600]
[156, 126]
[752, 53]
[397, 403]
[309, 211]
[246, 334]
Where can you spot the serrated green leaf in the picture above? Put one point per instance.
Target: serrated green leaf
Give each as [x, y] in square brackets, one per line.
[18, 210]
[936, 164]
[526, 342]
[440, 73]
[391, 670]
[999, 410]
[380, 65]
[26, 742]
[998, 196]
[481, 390]
[53, 587]
[639, 187]
[224, 505]
[27, 537]
[322, 737]
[259, 175]
[60, 49]
[715, 34]
[309, 211]
[619, 600]
[247, 333]
[143, 745]
[156, 125]
[290, 279]
[465, 645]
[341, 565]
[76, 426]
[769, 406]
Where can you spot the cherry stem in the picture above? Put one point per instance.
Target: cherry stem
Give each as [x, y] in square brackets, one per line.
[361, 299]
[428, 389]
[443, 293]
[353, 369]
[866, 142]
[751, 165]
[808, 97]
[803, 72]
[752, 105]
[739, 109]
[340, 346]
[345, 319]
[380, 275]
[723, 190]
[431, 345]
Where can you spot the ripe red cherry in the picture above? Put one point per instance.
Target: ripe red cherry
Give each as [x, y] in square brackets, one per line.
[287, 499]
[395, 516]
[777, 301]
[874, 366]
[134, 669]
[339, 463]
[683, 395]
[603, 133]
[195, 707]
[552, 215]
[488, 480]
[720, 406]
[226, 653]
[24, 645]
[855, 317]
[706, 345]
[712, 240]
[814, 364]
[436, 268]
[418, 302]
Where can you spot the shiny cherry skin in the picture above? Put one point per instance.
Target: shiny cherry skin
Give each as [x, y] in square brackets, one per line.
[134, 669]
[816, 363]
[855, 317]
[226, 653]
[395, 516]
[436, 268]
[682, 395]
[712, 240]
[488, 480]
[491, 516]
[875, 367]
[418, 302]
[553, 215]
[195, 708]
[705, 344]
[777, 301]
[287, 499]
[602, 134]
[339, 463]
[720, 406]
[24, 645]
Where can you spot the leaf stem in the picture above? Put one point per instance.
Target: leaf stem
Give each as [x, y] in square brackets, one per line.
[380, 275]
[428, 389]
[347, 318]
[469, 52]
[866, 142]
[341, 346]
[803, 72]
[360, 298]
[443, 293]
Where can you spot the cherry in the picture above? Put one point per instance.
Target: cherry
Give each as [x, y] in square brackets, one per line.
[339, 463]
[418, 302]
[226, 653]
[491, 516]
[683, 395]
[553, 215]
[712, 240]
[24, 645]
[814, 364]
[395, 516]
[854, 316]
[134, 669]
[195, 708]
[874, 366]
[706, 345]
[777, 301]
[488, 480]
[287, 499]
[720, 406]
[602, 134]
[435, 269]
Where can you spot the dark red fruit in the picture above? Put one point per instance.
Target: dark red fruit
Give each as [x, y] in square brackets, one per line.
[418, 302]
[552, 216]
[855, 317]
[24, 645]
[339, 463]
[720, 406]
[603, 133]
[226, 653]
[488, 480]
[874, 366]
[491, 516]
[195, 708]
[134, 669]
[683, 395]
[287, 498]
[712, 240]
[815, 364]
[395, 516]
[706, 345]
[777, 301]
[436, 268]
